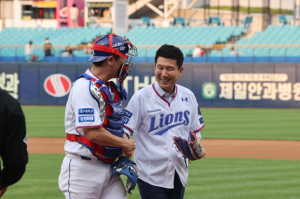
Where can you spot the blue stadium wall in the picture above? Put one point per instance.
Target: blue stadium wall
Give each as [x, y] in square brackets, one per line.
[214, 85]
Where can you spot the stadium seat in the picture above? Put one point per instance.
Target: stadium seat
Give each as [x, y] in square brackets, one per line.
[27, 58]
[8, 54]
[179, 21]
[214, 20]
[146, 21]
[283, 19]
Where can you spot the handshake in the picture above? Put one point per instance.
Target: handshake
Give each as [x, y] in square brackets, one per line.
[129, 146]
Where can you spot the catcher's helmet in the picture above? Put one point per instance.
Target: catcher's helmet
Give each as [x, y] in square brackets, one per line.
[111, 44]
[108, 45]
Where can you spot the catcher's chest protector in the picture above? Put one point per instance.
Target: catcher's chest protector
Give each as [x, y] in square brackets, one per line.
[111, 115]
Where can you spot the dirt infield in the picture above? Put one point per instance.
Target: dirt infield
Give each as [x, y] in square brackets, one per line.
[263, 149]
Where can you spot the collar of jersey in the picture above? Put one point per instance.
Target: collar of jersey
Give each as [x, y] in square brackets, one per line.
[89, 72]
[160, 92]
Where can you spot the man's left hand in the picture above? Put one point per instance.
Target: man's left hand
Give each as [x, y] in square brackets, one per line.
[191, 149]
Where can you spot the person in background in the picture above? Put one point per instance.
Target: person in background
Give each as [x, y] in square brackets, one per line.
[13, 150]
[198, 52]
[28, 52]
[74, 13]
[67, 52]
[106, 14]
[235, 52]
[89, 49]
[96, 12]
[47, 48]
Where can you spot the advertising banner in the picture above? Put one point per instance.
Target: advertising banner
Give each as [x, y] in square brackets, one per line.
[262, 85]
[275, 85]
[9, 78]
[29, 78]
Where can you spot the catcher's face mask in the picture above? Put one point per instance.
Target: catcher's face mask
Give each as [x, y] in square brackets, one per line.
[128, 65]
[111, 44]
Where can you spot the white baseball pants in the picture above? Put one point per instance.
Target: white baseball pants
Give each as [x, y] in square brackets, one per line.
[88, 179]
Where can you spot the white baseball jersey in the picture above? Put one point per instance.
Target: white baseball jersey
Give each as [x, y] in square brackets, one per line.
[80, 178]
[154, 121]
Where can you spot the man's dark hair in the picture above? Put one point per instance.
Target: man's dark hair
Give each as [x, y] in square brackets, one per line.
[74, 5]
[47, 38]
[30, 42]
[170, 52]
[98, 64]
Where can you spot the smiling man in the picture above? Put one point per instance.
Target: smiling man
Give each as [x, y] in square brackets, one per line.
[156, 114]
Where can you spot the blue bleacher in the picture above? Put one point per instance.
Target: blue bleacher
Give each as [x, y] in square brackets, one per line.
[150, 35]
[282, 34]
[60, 36]
[57, 36]
[275, 35]
[182, 35]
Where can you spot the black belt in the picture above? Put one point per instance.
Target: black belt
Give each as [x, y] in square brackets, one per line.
[86, 158]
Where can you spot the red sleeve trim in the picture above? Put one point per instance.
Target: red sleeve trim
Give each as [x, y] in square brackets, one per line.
[129, 129]
[198, 130]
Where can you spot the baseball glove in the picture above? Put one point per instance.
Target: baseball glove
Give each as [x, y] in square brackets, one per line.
[125, 166]
[191, 149]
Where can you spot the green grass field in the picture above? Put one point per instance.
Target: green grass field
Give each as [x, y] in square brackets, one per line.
[209, 178]
[220, 123]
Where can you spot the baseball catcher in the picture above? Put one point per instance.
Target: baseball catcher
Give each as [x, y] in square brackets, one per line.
[191, 149]
[94, 125]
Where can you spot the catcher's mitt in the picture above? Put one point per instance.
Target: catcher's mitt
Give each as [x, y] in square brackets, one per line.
[125, 166]
[191, 149]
